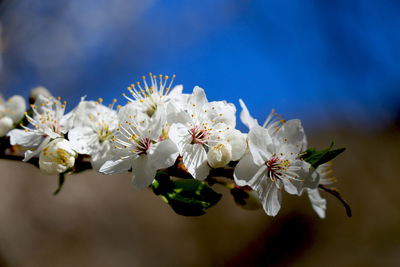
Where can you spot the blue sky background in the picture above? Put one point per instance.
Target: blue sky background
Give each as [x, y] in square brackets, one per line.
[322, 61]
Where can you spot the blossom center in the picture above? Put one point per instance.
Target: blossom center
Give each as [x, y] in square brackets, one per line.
[276, 167]
[104, 132]
[199, 135]
[143, 145]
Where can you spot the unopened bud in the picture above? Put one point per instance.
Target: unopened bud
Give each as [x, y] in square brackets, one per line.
[238, 142]
[57, 157]
[5, 125]
[220, 155]
[15, 108]
[36, 91]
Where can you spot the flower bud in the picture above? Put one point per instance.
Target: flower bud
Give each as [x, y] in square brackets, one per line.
[36, 91]
[5, 125]
[15, 108]
[220, 155]
[57, 157]
[238, 141]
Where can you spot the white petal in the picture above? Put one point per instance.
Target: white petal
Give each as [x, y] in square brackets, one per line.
[164, 154]
[26, 139]
[30, 154]
[195, 161]
[101, 155]
[260, 143]
[176, 114]
[198, 99]
[318, 203]
[245, 116]
[67, 122]
[82, 138]
[308, 174]
[116, 165]
[142, 172]
[176, 92]
[292, 131]
[222, 112]
[293, 187]
[270, 197]
[245, 170]
[178, 133]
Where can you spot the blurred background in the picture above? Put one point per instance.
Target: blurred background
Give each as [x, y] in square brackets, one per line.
[333, 64]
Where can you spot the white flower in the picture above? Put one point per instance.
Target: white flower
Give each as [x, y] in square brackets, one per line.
[274, 163]
[138, 146]
[318, 203]
[151, 98]
[48, 121]
[13, 108]
[92, 131]
[57, 157]
[6, 124]
[199, 126]
[36, 91]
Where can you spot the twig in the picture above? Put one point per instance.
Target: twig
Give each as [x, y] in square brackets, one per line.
[33, 161]
[336, 194]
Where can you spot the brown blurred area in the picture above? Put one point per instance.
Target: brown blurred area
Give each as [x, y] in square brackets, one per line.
[100, 220]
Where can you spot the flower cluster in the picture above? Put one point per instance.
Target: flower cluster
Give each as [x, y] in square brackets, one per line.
[161, 128]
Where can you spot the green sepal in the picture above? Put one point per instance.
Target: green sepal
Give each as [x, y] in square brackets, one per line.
[187, 197]
[316, 158]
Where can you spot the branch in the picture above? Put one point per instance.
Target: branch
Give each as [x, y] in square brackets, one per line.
[33, 161]
[336, 194]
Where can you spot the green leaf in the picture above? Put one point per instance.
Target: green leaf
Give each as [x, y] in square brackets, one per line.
[316, 158]
[187, 197]
[61, 180]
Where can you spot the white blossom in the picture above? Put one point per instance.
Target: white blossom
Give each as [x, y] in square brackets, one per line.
[153, 98]
[57, 157]
[92, 131]
[48, 122]
[199, 126]
[274, 162]
[138, 146]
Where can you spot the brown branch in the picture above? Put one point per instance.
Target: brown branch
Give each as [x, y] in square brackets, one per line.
[336, 194]
[33, 161]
